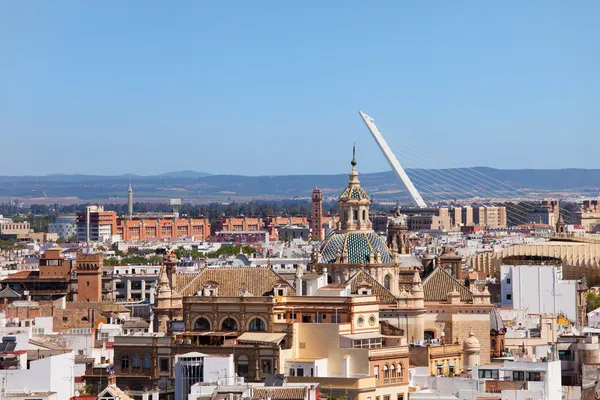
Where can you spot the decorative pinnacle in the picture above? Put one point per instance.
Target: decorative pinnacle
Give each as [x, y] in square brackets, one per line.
[353, 162]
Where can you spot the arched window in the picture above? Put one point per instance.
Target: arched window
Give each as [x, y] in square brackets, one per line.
[242, 366]
[393, 371]
[501, 345]
[229, 324]
[147, 361]
[355, 215]
[386, 372]
[257, 324]
[387, 282]
[399, 372]
[202, 324]
[329, 279]
[135, 361]
[124, 361]
[364, 216]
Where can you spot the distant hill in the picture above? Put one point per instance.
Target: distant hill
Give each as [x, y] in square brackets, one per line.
[200, 186]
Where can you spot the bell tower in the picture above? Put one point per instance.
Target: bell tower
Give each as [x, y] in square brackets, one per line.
[317, 215]
[354, 203]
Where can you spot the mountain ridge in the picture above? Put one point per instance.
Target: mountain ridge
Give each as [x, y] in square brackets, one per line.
[450, 183]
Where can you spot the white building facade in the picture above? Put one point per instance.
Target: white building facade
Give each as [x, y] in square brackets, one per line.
[539, 289]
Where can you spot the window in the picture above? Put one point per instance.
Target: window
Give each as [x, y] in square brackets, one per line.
[293, 316]
[292, 372]
[229, 324]
[400, 397]
[534, 376]
[564, 355]
[266, 366]
[300, 372]
[518, 376]
[147, 362]
[508, 281]
[399, 372]
[376, 371]
[387, 282]
[124, 361]
[202, 324]
[364, 213]
[489, 373]
[257, 325]
[336, 319]
[164, 365]
[306, 318]
[508, 296]
[135, 361]
[242, 366]
[80, 352]
[65, 319]
[87, 283]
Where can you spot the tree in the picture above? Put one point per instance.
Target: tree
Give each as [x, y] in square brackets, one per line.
[593, 301]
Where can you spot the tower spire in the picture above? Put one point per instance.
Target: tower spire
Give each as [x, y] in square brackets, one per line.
[353, 162]
[130, 199]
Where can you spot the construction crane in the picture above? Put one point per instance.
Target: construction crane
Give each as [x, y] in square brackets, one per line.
[414, 195]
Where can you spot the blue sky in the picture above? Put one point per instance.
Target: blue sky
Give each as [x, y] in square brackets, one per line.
[273, 87]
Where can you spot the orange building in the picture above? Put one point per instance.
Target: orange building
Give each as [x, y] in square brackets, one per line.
[95, 224]
[89, 277]
[232, 224]
[167, 227]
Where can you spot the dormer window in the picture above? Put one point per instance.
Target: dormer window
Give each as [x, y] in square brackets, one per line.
[280, 292]
[211, 289]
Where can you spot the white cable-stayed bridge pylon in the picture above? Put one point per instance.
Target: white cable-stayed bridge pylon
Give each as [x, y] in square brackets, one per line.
[442, 178]
[492, 183]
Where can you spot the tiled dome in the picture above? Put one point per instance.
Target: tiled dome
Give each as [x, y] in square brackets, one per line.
[359, 246]
[355, 193]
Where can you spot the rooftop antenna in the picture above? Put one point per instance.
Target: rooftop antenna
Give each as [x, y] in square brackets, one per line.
[414, 195]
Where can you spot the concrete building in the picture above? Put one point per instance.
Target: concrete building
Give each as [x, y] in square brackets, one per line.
[134, 282]
[290, 232]
[96, 225]
[65, 226]
[8, 228]
[521, 380]
[47, 378]
[545, 212]
[539, 289]
[589, 214]
[194, 367]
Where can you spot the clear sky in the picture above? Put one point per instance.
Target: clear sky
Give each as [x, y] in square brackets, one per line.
[273, 87]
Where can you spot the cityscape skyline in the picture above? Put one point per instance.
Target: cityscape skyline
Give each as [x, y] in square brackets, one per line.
[283, 87]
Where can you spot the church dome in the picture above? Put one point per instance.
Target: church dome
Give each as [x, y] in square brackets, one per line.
[471, 343]
[358, 245]
[496, 322]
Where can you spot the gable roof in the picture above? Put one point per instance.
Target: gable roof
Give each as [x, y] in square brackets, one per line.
[362, 277]
[115, 392]
[8, 293]
[439, 283]
[258, 281]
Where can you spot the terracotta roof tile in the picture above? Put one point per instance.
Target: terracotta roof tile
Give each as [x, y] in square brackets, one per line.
[439, 283]
[279, 393]
[257, 281]
[363, 278]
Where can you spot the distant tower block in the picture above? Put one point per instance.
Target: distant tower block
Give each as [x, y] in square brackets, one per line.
[415, 197]
[317, 215]
[130, 200]
[175, 204]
